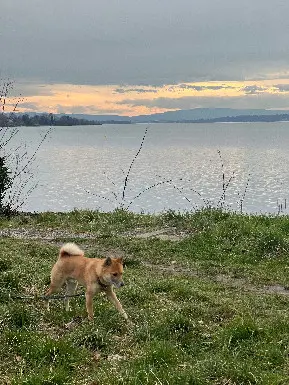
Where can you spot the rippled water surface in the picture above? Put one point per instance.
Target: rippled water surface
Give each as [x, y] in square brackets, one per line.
[86, 166]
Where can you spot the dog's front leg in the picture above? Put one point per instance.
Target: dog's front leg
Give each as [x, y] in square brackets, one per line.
[91, 289]
[89, 303]
[113, 298]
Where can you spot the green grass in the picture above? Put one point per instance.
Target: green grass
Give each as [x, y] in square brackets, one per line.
[189, 325]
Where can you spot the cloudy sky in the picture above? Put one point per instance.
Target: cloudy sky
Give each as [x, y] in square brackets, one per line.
[134, 57]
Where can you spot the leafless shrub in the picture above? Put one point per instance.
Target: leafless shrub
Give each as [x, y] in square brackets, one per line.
[179, 184]
[16, 176]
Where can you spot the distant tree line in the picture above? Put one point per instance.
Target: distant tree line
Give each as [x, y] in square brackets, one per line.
[242, 118]
[18, 120]
[255, 118]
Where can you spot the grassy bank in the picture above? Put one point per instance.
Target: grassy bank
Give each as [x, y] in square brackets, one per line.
[206, 293]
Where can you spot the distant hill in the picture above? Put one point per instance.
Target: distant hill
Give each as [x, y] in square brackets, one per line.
[243, 118]
[202, 113]
[197, 115]
[183, 115]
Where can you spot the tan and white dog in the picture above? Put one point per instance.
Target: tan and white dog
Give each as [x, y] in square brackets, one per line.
[96, 274]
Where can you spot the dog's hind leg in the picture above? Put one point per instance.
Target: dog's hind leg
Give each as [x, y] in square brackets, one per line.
[52, 289]
[71, 286]
[55, 286]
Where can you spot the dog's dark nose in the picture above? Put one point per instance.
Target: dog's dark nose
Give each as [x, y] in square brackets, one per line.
[121, 284]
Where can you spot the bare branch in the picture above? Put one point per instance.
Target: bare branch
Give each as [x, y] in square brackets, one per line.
[131, 165]
[99, 196]
[147, 189]
[244, 194]
[225, 187]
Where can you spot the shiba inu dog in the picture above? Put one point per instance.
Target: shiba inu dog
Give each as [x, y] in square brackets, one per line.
[96, 274]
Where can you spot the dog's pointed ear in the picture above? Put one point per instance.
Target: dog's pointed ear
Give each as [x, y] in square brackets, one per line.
[120, 260]
[107, 261]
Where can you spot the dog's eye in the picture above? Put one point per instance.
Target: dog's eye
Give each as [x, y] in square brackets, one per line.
[114, 274]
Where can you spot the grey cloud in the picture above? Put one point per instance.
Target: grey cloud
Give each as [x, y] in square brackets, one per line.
[142, 42]
[254, 89]
[282, 87]
[264, 101]
[202, 88]
[30, 89]
[136, 90]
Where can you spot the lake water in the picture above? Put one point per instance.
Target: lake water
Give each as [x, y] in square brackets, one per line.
[86, 166]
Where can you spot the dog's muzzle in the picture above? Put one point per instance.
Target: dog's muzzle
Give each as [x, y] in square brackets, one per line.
[118, 284]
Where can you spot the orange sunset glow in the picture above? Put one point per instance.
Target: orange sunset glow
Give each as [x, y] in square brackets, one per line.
[138, 100]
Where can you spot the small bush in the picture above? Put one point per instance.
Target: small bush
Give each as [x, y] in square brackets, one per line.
[5, 184]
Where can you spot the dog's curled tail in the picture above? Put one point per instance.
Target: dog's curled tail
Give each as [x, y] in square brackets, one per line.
[70, 249]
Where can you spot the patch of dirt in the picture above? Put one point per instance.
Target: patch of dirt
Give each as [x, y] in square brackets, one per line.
[278, 289]
[238, 283]
[47, 234]
[172, 269]
[168, 234]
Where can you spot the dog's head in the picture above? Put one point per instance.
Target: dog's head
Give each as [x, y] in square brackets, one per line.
[112, 270]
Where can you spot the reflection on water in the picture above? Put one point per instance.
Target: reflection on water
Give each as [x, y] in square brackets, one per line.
[85, 167]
